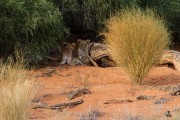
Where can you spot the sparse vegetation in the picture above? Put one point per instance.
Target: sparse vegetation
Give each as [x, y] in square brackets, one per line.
[15, 100]
[176, 113]
[16, 90]
[92, 114]
[136, 40]
[12, 69]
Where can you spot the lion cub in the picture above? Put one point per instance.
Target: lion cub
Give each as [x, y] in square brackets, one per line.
[83, 52]
[67, 55]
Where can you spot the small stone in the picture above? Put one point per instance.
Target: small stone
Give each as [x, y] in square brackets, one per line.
[161, 100]
[144, 97]
[168, 114]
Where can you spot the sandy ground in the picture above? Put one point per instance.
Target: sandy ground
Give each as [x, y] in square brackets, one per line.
[55, 82]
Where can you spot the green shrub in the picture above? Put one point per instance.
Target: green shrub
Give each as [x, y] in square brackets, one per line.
[34, 26]
[136, 40]
[169, 9]
[81, 15]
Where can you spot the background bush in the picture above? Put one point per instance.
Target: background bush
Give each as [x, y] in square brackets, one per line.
[34, 26]
[37, 25]
[136, 40]
[169, 9]
[82, 15]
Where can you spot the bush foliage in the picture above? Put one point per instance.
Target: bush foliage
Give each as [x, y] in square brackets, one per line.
[91, 14]
[169, 9]
[32, 25]
[136, 40]
[37, 25]
[81, 15]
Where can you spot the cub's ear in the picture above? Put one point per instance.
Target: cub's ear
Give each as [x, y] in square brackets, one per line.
[79, 41]
[73, 44]
[88, 41]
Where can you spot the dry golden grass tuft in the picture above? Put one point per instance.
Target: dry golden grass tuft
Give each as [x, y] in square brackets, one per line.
[136, 40]
[15, 100]
[12, 70]
[16, 91]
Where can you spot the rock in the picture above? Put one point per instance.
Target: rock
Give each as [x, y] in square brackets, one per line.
[161, 100]
[144, 97]
[168, 114]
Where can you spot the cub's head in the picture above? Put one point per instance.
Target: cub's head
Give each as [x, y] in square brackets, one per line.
[83, 44]
[69, 46]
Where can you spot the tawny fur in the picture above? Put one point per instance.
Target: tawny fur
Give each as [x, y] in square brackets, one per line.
[83, 52]
[67, 55]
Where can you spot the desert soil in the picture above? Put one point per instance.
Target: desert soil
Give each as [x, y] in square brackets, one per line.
[55, 82]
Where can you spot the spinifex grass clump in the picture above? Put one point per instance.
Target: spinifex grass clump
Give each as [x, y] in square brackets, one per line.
[136, 40]
[16, 89]
[15, 100]
[13, 69]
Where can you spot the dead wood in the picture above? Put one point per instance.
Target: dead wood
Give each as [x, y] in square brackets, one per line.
[92, 61]
[162, 100]
[175, 93]
[38, 99]
[51, 58]
[41, 105]
[144, 97]
[117, 101]
[77, 93]
[58, 106]
[64, 105]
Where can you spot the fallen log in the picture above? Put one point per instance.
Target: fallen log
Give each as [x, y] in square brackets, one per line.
[175, 93]
[118, 101]
[60, 106]
[64, 105]
[41, 105]
[77, 93]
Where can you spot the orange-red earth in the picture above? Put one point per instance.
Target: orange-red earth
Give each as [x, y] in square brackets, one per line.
[55, 82]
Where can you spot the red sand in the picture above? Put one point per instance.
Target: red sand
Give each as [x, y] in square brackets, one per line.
[104, 84]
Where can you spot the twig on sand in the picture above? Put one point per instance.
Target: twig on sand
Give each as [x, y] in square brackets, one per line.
[77, 93]
[58, 106]
[117, 101]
